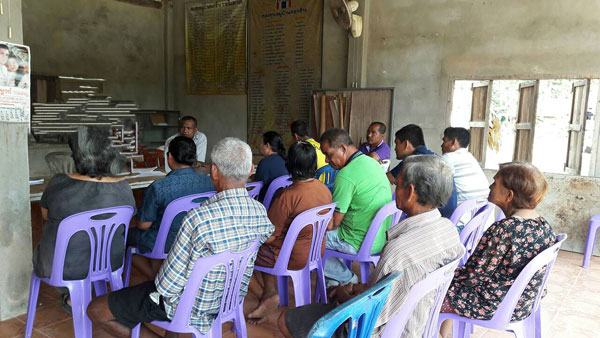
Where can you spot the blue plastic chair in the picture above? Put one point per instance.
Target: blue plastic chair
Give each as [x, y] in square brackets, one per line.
[100, 231]
[330, 175]
[362, 311]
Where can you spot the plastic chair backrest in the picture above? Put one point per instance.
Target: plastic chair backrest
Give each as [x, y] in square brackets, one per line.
[319, 217]
[438, 280]
[388, 209]
[329, 173]
[278, 183]
[474, 230]
[468, 206]
[254, 189]
[235, 264]
[100, 225]
[545, 258]
[177, 206]
[362, 311]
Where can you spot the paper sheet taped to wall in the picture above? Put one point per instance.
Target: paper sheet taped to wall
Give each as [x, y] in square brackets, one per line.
[15, 98]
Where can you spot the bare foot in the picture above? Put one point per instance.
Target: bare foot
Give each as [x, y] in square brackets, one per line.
[267, 303]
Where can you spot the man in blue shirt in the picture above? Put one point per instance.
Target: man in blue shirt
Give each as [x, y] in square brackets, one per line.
[410, 141]
[183, 180]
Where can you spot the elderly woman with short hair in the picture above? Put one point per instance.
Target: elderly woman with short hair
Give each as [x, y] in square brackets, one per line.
[506, 247]
[94, 185]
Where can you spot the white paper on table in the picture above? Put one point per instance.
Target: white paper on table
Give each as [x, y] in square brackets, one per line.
[145, 172]
[36, 182]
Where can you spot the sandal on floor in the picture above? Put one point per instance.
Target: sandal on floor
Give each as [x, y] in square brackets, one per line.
[63, 303]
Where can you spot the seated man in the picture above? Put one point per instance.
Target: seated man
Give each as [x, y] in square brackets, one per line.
[410, 141]
[188, 127]
[360, 189]
[375, 145]
[183, 180]
[299, 130]
[227, 221]
[468, 176]
[418, 245]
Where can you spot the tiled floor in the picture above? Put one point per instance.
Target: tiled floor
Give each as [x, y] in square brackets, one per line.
[571, 308]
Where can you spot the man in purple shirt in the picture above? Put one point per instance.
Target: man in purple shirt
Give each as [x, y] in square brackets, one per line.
[375, 146]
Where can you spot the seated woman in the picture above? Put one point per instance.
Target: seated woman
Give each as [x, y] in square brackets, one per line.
[304, 193]
[273, 163]
[181, 181]
[95, 185]
[506, 247]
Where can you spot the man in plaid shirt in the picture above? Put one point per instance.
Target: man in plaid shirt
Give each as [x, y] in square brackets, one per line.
[228, 220]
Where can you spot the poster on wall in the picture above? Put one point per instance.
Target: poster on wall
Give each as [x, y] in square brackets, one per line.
[15, 98]
[215, 47]
[284, 64]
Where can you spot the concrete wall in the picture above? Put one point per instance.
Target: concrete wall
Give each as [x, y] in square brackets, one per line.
[569, 205]
[15, 214]
[419, 46]
[117, 41]
[220, 116]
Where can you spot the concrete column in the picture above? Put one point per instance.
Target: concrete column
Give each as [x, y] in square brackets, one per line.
[15, 214]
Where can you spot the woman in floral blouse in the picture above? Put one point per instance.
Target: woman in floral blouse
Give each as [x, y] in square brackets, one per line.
[505, 248]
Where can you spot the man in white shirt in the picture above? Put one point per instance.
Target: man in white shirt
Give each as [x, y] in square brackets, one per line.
[468, 175]
[188, 127]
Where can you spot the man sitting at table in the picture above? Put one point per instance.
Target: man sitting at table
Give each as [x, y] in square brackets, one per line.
[183, 180]
[230, 220]
[188, 127]
[375, 146]
[360, 189]
[417, 246]
[410, 141]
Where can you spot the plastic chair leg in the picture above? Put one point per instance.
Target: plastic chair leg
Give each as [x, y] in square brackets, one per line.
[536, 320]
[591, 241]
[100, 288]
[116, 282]
[135, 332]
[301, 282]
[348, 263]
[34, 290]
[81, 295]
[127, 265]
[364, 272]
[283, 289]
[320, 289]
[239, 324]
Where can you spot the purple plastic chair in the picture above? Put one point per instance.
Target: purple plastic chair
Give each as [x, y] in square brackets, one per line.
[438, 281]
[278, 183]
[364, 255]
[474, 230]
[319, 218]
[177, 206]
[526, 328]
[591, 240]
[232, 305]
[470, 206]
[101, 233]
[254, 189]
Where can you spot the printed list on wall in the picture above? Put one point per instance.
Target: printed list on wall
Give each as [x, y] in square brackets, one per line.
[15, 97]
[215, 44]
[284, 64]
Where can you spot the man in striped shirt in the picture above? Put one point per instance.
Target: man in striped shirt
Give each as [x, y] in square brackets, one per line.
[230, 220]
[468, 176]
[417, 246]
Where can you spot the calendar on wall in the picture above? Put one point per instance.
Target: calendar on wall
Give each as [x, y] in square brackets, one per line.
[15, 95]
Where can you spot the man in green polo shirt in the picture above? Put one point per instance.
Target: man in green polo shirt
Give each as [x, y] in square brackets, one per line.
[360, 189]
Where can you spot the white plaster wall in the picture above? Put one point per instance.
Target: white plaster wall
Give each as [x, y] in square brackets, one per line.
[419, 46]
[117, 41]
